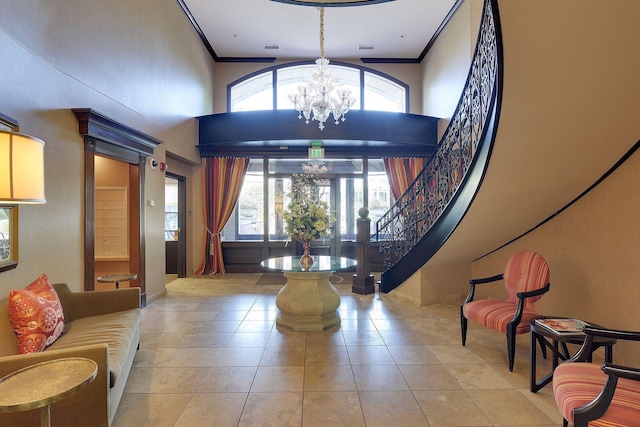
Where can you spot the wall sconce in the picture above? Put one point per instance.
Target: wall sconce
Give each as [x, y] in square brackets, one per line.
[21, 168]
[155, 164]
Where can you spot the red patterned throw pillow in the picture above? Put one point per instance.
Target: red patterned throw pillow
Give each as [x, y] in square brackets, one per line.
[36, 315]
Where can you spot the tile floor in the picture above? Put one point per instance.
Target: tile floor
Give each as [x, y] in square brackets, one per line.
[211, 355]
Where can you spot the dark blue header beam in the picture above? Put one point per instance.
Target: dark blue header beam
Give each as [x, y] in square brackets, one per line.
[280, 133]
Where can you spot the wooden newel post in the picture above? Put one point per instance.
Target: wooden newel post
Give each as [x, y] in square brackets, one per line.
[363, 281]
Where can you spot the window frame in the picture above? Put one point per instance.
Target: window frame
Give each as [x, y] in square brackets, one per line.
[274, 81]
[267, 236]
[9, 241]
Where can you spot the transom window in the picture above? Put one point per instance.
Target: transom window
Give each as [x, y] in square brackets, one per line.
[270, 88]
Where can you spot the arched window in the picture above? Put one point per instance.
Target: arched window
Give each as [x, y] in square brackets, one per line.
[253, 93]
[270, 88]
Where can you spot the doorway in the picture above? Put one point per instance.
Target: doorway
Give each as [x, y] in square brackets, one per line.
[175, 206]
[328, 192]
[107, 138]
[117, 213]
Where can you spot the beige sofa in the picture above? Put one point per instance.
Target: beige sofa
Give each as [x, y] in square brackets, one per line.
[103, 326]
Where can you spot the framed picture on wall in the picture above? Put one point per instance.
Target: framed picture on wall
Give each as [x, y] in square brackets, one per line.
[8, 237]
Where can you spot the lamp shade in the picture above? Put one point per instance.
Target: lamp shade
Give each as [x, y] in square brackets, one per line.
[21, 168]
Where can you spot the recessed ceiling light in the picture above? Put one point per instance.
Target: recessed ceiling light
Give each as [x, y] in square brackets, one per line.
[365, 47]
[272, 46]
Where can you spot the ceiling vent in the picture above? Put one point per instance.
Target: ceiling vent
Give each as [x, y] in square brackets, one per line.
[365, 47]
[272, 47]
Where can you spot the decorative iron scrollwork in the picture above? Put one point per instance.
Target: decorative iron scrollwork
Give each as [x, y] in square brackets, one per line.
[413, 214]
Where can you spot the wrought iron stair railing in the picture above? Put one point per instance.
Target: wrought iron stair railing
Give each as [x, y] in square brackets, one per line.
[421, 220]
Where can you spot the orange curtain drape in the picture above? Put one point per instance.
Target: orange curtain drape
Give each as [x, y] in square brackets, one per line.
[222, 181]
[401, 173]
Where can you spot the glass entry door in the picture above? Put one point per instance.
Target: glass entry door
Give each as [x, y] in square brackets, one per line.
[256, 229]
[327, 191]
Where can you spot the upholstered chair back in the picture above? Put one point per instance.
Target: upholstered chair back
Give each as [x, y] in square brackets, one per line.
[525, 271]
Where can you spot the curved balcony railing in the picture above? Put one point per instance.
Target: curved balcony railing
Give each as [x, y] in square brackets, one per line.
[426, 214]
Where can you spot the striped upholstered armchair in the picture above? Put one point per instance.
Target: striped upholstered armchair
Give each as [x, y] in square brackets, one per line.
[589, 394]
[526, 278]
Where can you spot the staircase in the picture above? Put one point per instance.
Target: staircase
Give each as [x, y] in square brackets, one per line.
[422, 219]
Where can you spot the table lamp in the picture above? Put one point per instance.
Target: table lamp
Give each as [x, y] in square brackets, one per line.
[21, 168]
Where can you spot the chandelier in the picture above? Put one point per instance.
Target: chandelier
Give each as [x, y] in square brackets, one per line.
[317, 99]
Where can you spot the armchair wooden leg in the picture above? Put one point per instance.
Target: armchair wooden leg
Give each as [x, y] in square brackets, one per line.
[511, 346]
[463, 327]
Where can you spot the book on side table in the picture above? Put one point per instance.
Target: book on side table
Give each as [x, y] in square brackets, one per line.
[563, 326]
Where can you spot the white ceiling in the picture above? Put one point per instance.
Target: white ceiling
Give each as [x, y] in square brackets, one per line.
[397, 29]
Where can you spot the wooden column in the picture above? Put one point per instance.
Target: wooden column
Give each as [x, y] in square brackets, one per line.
[363, 281]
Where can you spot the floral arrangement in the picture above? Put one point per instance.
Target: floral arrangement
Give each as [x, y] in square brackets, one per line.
[307, 216]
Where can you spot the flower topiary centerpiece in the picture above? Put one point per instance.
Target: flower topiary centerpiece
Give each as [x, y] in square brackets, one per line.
[307, 217]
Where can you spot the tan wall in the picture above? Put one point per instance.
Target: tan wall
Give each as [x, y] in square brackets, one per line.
[439, 284]
[139, 63]
[592, 252]
[445, 69]
[570, 95]
[569, 112]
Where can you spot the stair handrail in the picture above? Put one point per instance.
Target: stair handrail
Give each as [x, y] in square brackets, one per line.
[428, 196]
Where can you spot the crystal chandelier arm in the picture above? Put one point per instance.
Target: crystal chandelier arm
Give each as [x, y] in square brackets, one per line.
[314, 100]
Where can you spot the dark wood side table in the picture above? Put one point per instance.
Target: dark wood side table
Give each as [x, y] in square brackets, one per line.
[40, 385]
[552, 340]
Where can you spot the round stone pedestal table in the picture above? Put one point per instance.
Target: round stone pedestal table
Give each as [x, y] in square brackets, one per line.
[308, 301]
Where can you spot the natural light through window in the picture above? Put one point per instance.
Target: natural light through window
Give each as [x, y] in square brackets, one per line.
[255, 93]
[259, 212]
[375, 91]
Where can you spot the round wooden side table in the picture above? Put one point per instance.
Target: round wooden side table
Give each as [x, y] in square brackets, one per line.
[40, 385]
[117, 278]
